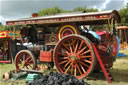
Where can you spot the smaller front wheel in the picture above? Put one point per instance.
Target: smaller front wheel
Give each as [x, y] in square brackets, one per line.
[25, 60]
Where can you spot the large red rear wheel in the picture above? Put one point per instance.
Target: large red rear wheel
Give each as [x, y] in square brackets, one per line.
[74, 55]
[25, 60]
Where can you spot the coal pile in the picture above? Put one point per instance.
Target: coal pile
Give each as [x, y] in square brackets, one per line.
[57, 79]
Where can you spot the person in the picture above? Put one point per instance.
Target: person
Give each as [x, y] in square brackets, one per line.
[32, 34]
[24, 34]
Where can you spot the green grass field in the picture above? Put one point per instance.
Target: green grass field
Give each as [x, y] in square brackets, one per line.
[119, 73]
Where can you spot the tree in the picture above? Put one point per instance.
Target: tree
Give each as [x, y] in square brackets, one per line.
[80, 8]
[85, 9]
[56, 10]
[1, 27]
[124, 15]
[51, 11]
[92, 10]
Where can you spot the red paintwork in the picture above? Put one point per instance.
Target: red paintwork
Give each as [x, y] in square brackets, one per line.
[107, 42]
[101, 33]
[9, 61]
[115, 46]
[34, 15]
[62, 18]
[107, 76]
[46, 56]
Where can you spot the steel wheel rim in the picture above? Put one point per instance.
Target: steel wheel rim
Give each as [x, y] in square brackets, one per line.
[24, 60]
[81, 65]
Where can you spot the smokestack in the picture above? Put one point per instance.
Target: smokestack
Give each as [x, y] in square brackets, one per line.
[34, 15]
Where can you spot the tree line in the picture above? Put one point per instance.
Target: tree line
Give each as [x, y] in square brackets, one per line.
[55, 10]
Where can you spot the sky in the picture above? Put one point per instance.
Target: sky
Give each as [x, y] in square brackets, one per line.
[14, 9]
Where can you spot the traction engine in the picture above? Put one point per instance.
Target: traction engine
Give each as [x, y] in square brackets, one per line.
[64, 41]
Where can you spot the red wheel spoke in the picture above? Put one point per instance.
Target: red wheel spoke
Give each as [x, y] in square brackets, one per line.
[85, 52]
[87, 61]
[84, 64]
[73, 41]
[76, 46]
[72, 69]
[30, 61]
[69, 43]
[63, 62]
[62, 54]
[81, 45]
[67, 64]
[82, 49]
[71, 49]
[24, 57]
[27, 58]
[82, 68]
[20, 60]
[63, 57]
[78, 69]
[75, 71]
[85, 56]
[66, 47]
[65, 51]
[67, 68]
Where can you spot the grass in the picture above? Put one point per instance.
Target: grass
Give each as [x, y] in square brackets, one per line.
[119, 73]
[6, 68]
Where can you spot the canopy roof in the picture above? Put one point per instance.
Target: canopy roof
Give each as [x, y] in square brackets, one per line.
[77, 17]
[122, 27]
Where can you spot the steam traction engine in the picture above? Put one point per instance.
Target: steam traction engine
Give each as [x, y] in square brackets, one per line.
[65, 41]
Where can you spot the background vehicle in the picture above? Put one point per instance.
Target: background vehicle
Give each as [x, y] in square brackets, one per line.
[123, 35]
[7, 42]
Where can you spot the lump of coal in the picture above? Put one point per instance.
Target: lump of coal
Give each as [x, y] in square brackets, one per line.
[58, 79]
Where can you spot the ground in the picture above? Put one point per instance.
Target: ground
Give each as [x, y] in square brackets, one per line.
[119, 73]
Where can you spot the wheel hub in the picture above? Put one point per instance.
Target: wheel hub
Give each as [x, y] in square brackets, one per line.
[23, 64]
[73, 57]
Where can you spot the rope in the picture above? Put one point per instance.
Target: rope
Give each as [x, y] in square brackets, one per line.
[109, 25]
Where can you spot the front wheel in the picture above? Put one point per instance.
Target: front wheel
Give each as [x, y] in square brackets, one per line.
[74, 55]
[25, 60]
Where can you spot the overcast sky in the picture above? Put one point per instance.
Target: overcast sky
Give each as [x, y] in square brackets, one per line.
[13, 9]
